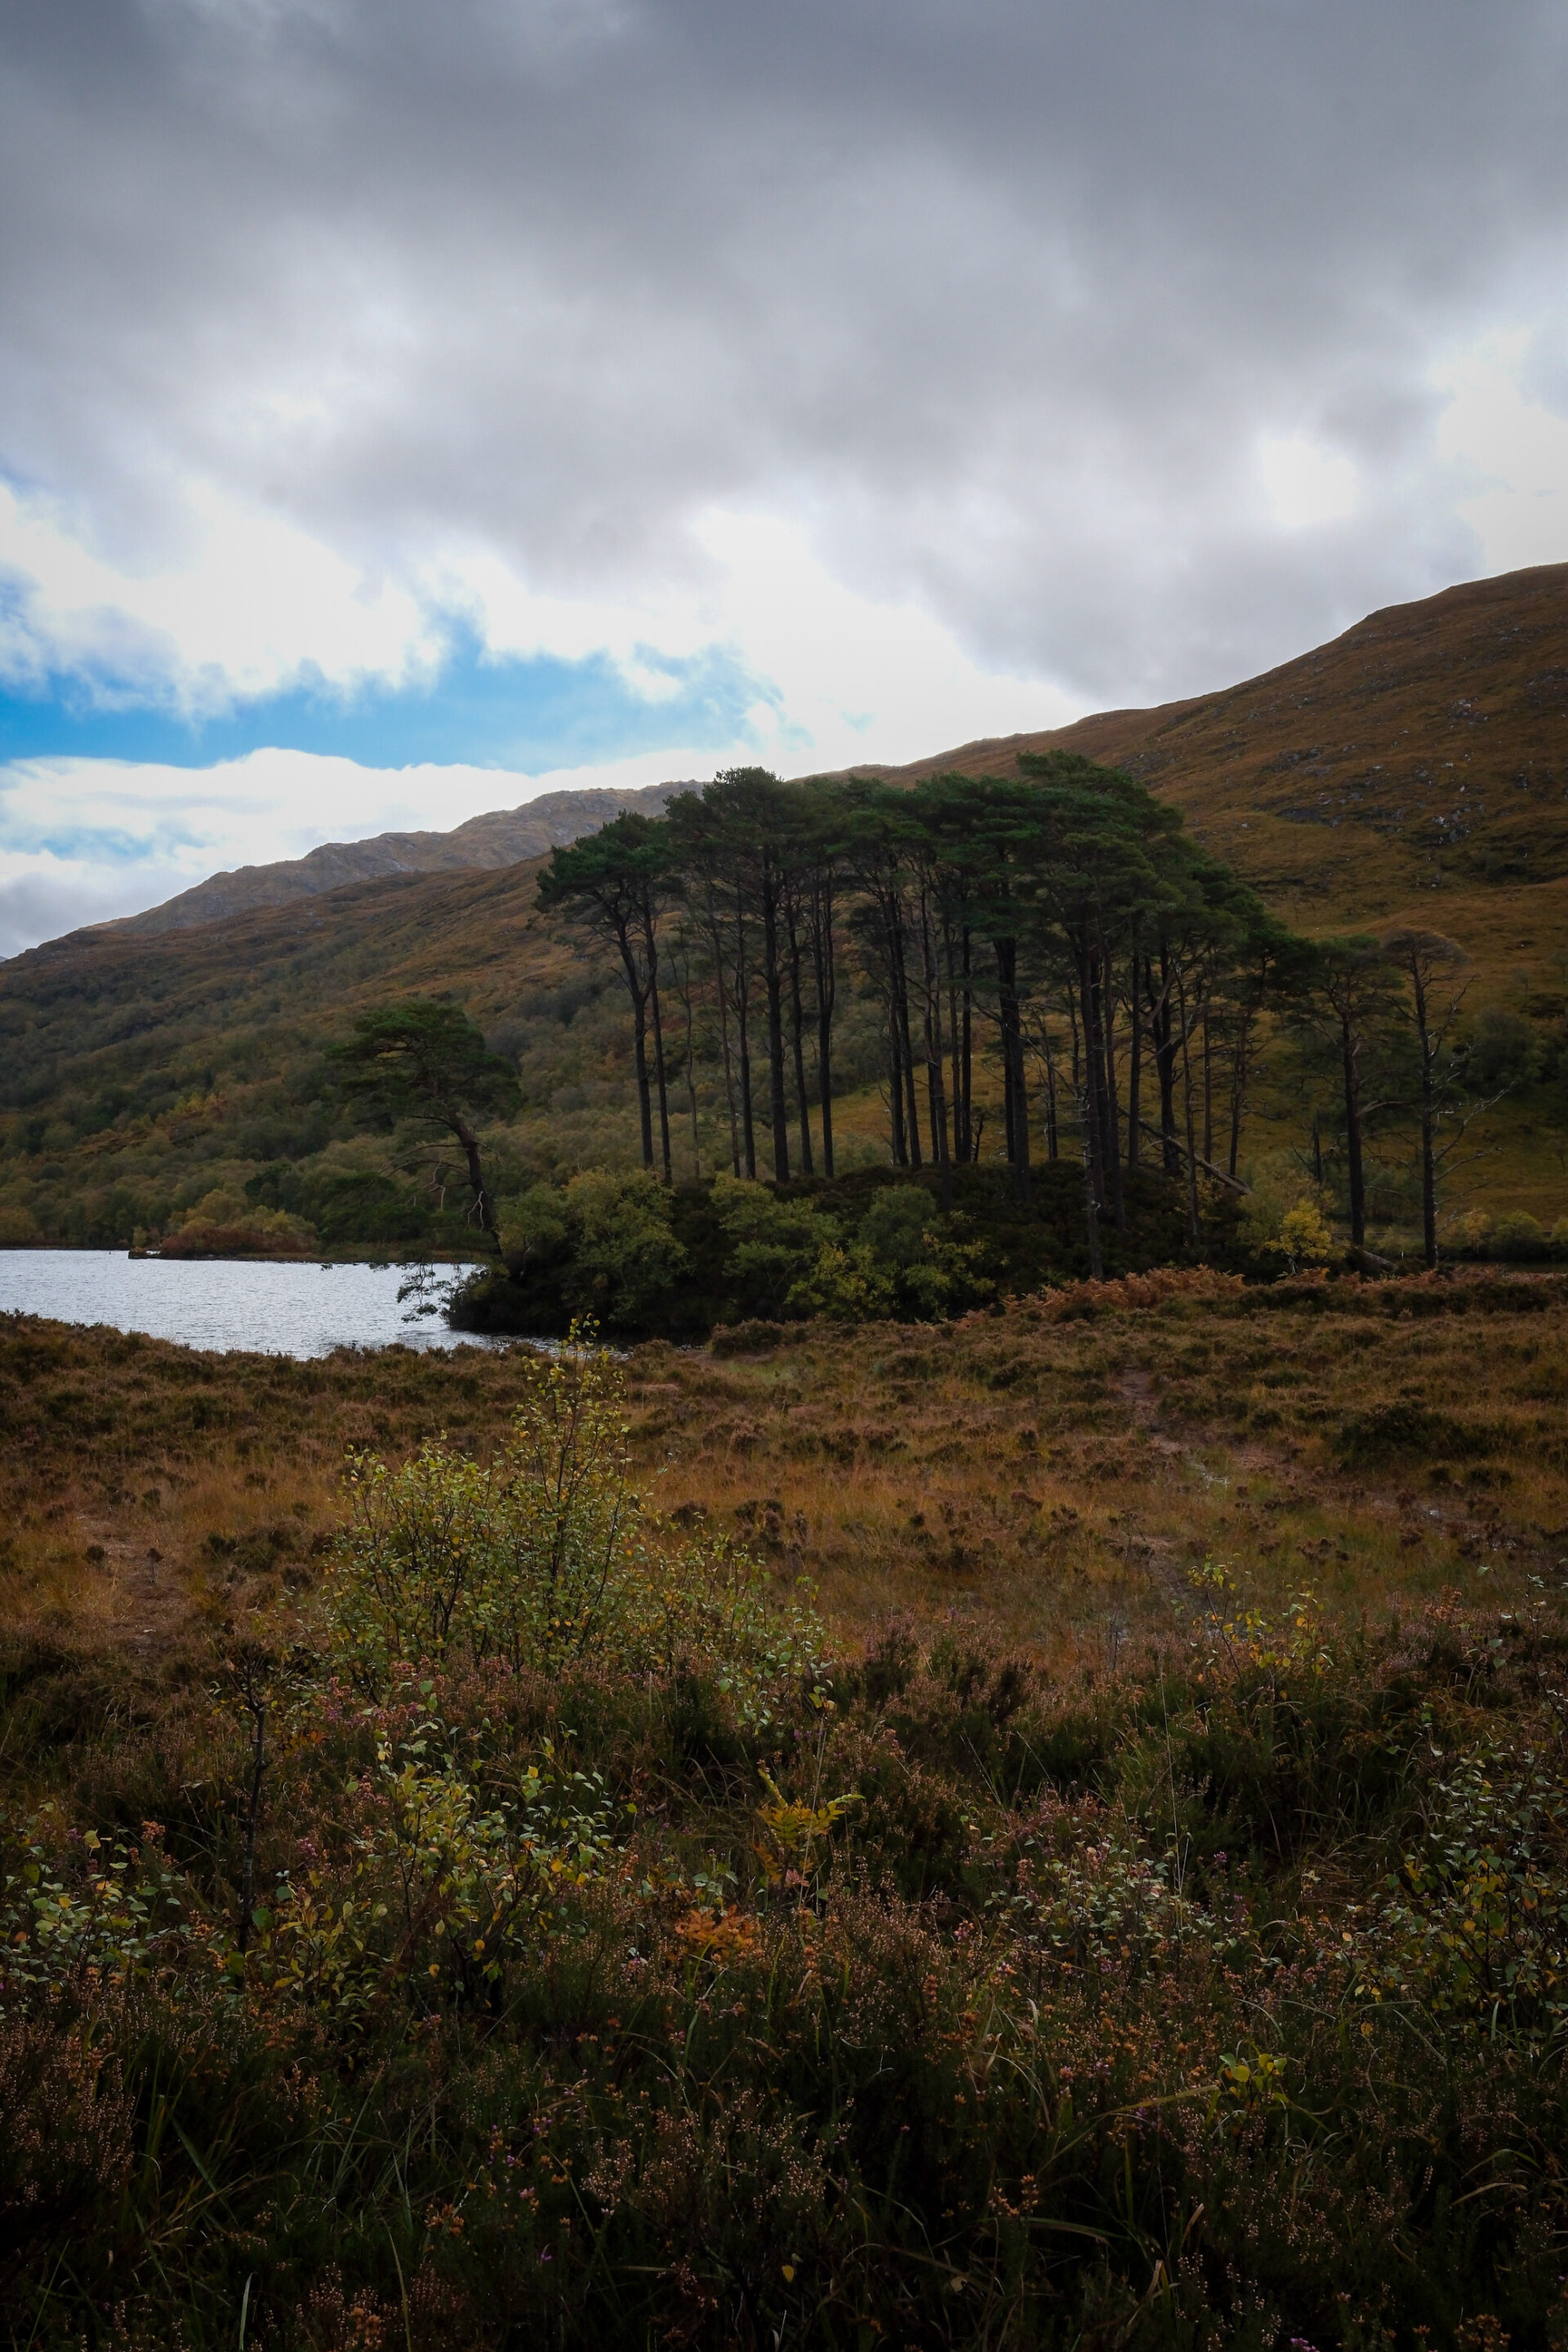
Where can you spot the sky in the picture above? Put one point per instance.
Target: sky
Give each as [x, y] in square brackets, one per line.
[406, 409]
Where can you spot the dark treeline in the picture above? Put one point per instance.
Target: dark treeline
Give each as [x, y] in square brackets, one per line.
[1052, 952]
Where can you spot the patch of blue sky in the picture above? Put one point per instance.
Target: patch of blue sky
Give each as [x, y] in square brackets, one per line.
[532, 714]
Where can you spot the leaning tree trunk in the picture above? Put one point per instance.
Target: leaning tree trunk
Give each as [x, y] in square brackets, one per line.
[483, 1208]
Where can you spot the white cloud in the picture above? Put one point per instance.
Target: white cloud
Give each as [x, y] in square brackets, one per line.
[1305, 484]
[251, 601]
[1508, 452]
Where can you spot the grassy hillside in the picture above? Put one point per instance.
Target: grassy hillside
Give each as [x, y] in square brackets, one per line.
[146, 1071]
[1417, 768]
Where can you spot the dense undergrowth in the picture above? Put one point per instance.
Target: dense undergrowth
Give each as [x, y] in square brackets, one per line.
[874, 1245]
[539, 1929]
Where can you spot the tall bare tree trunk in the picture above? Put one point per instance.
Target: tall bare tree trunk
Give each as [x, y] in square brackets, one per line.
[724, 1037]
[896, 1084]
[1136, 1061]
[1015, 1091]
[901, 1017]
[742, 1009]
[658, 1041]
[827, 993]
[1053, 1140]
[1239, 1074]
[691, 1083]
[1163, 1030]
[1194, 1227]
[1113, 1107]
[796, 1015]
[937, 1103]
[772, 983]
[483, 1208]
[1350, 1053]
[636, 989]
[1093, 1072]
[971, 1137]
[1090, 1204]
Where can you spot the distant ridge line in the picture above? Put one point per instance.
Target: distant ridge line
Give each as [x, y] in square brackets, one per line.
[500, 837]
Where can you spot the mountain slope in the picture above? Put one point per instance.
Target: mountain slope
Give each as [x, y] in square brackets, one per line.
[1425, 750]
[501, 837]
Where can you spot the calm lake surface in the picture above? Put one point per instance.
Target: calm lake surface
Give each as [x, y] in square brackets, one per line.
[276, 1308]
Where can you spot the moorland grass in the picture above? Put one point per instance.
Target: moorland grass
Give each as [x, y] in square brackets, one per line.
[1143, 1924]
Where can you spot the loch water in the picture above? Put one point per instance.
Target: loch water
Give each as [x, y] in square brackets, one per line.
[274, 1306]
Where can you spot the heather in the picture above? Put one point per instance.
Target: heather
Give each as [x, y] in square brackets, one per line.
[1080, 1861]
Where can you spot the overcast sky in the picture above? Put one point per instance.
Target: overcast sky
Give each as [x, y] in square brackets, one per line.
[403, 405]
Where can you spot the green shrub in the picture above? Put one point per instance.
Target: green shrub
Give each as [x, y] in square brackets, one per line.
[903, 1257]
[439, 1885]
[1476, 1921]
[625, 1257]
[771, 1246]
[545, 1558]
[1516, 1234]
[78, 1909]
[1393, 1433]
[1502, 1050]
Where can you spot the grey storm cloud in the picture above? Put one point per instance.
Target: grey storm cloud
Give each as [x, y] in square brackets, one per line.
[993, 299]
